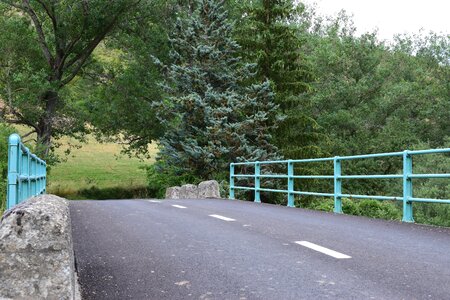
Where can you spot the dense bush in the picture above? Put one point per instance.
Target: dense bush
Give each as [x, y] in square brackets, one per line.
[368, 208]
[436, 188]
[159, 179]
[96, 193]
[113, 193]
[379, 209]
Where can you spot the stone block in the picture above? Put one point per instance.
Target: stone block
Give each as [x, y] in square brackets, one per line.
[188, 191]
[173, 192]
[208, 189]
[36, 252]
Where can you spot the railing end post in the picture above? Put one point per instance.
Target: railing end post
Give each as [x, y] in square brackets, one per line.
[14, 139]
[231, 194]
[23, 172]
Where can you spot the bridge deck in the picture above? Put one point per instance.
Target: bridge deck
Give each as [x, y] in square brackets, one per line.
[223, 249]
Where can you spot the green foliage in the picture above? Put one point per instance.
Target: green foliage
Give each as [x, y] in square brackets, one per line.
[129, 81]
[432, 213]
[103, 193]
[368, 208]
[437, 188]
[45, 47]
[321, 204]
[379, 209]
[211, 117]
[113, 193]
[270, 36]
[370, 98]
[159, 179]
[350, 207]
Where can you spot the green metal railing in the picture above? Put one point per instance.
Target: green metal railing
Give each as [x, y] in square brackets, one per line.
[27, 173]
[407, 178]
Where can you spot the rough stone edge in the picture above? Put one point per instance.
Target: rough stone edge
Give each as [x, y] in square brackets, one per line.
[76, 289]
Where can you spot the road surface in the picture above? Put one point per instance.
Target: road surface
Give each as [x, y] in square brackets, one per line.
[224, 249]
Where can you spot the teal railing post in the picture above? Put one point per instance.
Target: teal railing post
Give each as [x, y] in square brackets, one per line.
[407, 187]
[28, 157]
[40, 173]
[257, 182]
[290, 168]
[24, 172]
[44, 183]
[231, 196]
[12, 193]
[337, 186]
[35, 173]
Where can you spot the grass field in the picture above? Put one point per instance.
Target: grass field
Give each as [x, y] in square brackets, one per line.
[96, 165]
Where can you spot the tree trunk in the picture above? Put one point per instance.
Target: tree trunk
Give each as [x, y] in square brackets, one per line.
[46, 122]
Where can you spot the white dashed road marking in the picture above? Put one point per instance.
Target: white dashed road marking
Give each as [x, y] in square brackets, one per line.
[222, 218]
[178, 206]
[323, 250]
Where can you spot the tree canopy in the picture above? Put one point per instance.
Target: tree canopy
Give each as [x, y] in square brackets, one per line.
[46, 46]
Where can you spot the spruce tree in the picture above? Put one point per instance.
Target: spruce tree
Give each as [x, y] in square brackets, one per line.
[212, 116]
[270, 34]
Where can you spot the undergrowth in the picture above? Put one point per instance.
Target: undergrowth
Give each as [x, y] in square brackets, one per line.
[96, 193]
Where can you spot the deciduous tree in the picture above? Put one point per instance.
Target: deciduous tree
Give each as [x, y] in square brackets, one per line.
[46, 45]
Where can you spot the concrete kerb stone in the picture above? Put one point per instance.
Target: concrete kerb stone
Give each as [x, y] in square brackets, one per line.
[36, 251]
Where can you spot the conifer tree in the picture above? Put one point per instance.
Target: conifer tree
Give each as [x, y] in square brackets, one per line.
[270, 35]
[212, 116]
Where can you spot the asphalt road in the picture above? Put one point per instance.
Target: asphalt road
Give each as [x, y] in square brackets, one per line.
[175, 249]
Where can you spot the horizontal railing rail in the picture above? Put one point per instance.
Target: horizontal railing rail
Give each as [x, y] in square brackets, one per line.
[27, 173]
[407, 177]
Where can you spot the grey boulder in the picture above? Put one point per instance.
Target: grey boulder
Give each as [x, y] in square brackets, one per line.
[188, 191]
[36, 254]
[208, 189]
[173, 192]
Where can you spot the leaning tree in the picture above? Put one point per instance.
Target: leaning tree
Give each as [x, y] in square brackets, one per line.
[45, 46]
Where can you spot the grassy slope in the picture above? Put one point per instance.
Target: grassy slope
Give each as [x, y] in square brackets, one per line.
[96, 164]
[99, 165]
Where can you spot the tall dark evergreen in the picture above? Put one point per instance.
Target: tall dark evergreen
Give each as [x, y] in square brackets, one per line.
[271, 35]
[212, 116]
